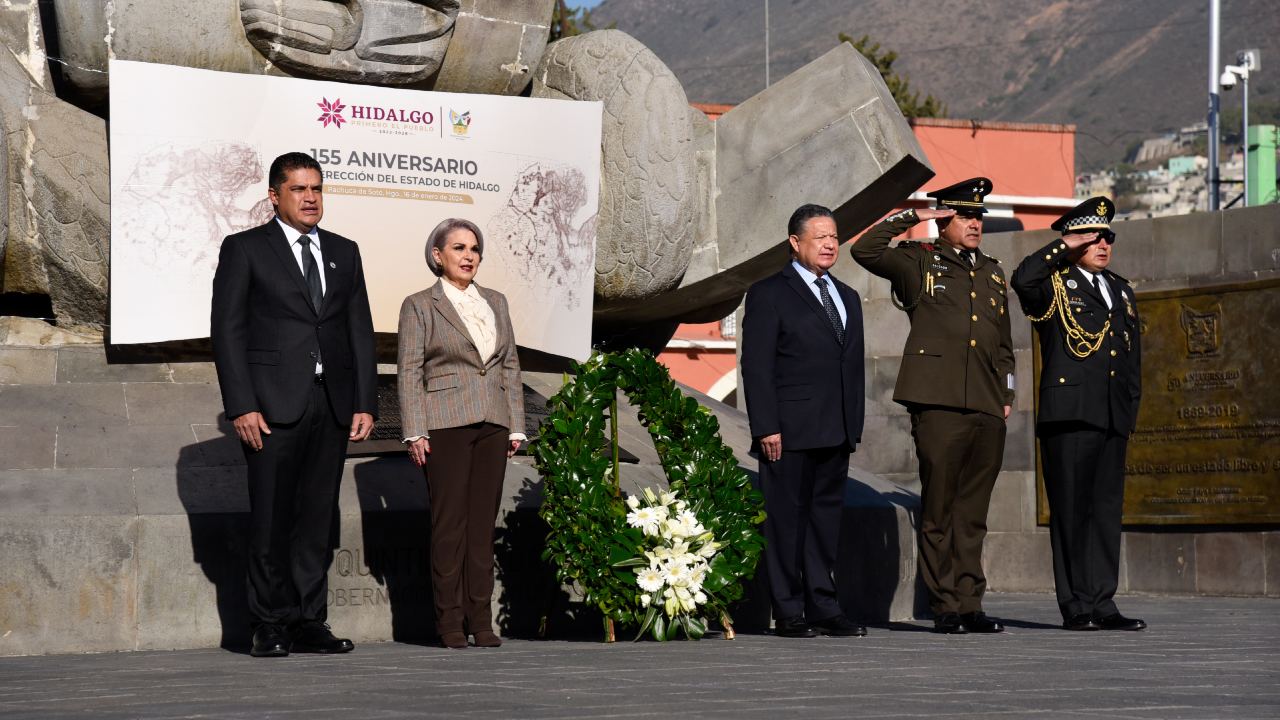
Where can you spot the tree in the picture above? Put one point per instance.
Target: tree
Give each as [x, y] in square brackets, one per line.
[567, 23]
[899, 86]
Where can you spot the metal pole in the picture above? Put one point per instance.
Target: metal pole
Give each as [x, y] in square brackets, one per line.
[1213, 105]
[1244, 138]
[766, 43]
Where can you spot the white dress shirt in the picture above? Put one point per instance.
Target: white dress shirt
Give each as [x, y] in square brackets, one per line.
[292, 235]
[1098, 282]
[809, 279]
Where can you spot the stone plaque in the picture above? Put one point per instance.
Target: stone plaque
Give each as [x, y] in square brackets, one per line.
[1207, 447]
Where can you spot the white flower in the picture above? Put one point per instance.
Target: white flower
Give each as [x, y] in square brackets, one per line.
[649, 579]
[633, 502]
[698, 575]
[709, 549]
[675, 574]
[671, 606]
[698, 597]
[648, 495]
[668, 498]
[690, 523]
[645, 519]
[646, 598]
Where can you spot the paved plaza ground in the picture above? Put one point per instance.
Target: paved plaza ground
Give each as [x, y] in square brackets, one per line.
[1201, 658]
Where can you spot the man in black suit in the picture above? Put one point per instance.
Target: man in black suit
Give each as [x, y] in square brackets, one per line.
[293, 346]
[802, 371]
[1090, 384]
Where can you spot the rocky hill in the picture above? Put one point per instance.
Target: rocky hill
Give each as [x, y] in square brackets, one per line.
[1121, 71]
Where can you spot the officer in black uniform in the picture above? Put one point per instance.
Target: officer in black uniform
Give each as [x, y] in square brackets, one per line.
[1086, 319]
[956, 379]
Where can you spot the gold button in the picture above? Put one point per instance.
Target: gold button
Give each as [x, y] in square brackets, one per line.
[1112, 333]
[973, 343]
[1055, 251]
[1062, 380]
[1113, 373]
[482, 371]
[973, 294]
[1113, 353]
[973, 318]
[921, 351]
[971, 273]
[1048, 257]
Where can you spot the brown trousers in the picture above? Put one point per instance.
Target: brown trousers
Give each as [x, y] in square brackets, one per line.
[960, 453]
[464, 478]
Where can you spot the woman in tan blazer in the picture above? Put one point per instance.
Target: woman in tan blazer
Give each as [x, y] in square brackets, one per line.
[462, 405]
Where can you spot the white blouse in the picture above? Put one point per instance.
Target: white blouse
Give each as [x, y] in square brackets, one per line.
[476, 315]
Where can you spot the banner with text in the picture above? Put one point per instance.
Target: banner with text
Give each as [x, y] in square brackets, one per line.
[189, 156]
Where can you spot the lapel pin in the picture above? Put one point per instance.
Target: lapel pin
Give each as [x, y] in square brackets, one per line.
[1071, 284]
[332, 265]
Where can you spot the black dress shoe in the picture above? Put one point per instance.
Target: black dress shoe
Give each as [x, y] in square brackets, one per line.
[978, 622]
[1080, 622]
[949, 624]
[794, 627]
[1116, 621]
[269, 641]
[839, 626]
[317, 638]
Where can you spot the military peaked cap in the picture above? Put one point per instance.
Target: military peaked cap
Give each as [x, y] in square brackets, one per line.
[966, 198]
[1092, 214]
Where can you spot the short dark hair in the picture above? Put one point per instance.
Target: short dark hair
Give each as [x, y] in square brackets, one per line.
[288, 162]
[441, 233]
[804, 214]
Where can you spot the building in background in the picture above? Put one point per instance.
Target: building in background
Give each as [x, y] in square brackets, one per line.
[1031, 165]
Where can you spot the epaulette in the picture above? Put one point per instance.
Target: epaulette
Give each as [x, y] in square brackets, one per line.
[900, 215]
[1118, 276]
[992, 258]
[929, 247]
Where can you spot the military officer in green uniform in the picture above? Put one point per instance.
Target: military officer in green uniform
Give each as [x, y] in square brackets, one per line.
[956, 380]
[1090, 383]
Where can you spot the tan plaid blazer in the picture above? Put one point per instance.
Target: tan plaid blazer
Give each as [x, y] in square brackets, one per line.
[443, 382]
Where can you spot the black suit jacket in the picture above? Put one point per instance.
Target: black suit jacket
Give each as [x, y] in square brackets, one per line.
[798, 379]
[265, 331]
[1102, 390]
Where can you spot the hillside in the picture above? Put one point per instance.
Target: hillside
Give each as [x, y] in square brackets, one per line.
[1119, 71]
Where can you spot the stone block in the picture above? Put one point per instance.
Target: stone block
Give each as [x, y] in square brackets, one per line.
[89, 445]
[1019, 443]
[1024, 378]
[26, 447]
[193, 372]
[885, 329]
[191, 581]
[66, 492]
[89, 365]
[173, 403]
[1187, 246]
[1018, 562]
[191, 490]
[27, 366]
[51, 405]
[67, 586]
[1005, 514]
[215, 445]
[1230, 563]
[384, 484]
[876, 563]
[495, 46]
[1135, 251]
[887, 445]
[1159, 562]
[879, 376]
[1251, 239]
[1271, 551]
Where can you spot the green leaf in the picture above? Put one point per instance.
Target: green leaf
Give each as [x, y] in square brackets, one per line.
[660, 627]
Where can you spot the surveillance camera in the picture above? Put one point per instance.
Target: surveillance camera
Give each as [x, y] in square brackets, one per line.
[1228, 80]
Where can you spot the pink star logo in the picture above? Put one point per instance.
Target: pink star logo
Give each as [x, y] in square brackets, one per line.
[331, 112]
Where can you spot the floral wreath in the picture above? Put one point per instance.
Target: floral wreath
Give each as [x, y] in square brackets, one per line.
[664, 560]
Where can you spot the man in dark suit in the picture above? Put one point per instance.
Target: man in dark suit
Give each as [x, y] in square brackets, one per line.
[956, 380]
[802, 371]
[1090, 383]
[293, 346]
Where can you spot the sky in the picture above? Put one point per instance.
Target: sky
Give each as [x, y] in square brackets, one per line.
[582, 3]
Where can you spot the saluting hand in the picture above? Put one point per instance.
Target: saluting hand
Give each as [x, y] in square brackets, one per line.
[934, 213]
[1075, 241]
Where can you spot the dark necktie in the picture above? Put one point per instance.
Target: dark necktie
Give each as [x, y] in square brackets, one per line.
[967, 256]
[311, 273]
[1096, 282]
[830, 306]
